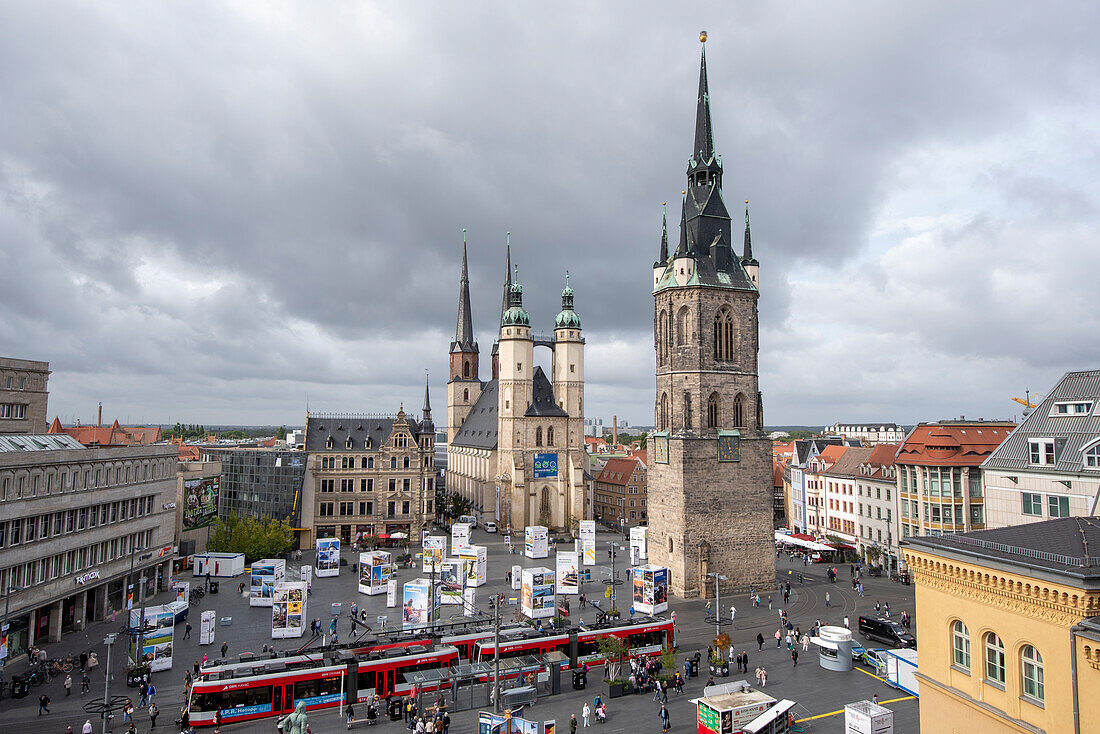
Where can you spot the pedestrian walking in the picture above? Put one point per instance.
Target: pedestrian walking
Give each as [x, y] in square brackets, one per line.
[85, 681]
[87, 728]
[778, 639]
[769, 601]
[663, 716]
[152, 691]
[733, 613]
[128, 712]
[572, 724]
[154, 712]
[187, 631]
[225, 648]
[68, 684]
[586, 712]
[763, 677]
[143, 699]
[794, 655]
[760, 640]
[805, 643]
[217, 721]
[758, 676]
[887, 610]
[84, 660]
[878, 607]
[707, 609]
[828, 601]
[846, 625]
[679, 684]
[43, 704]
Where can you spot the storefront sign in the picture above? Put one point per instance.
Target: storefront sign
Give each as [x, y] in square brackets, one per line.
[85, 578]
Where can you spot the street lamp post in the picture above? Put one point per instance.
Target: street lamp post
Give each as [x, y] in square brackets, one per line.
[718, 578]
[108, 641]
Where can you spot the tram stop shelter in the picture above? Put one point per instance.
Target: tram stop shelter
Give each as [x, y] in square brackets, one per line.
[470, 685]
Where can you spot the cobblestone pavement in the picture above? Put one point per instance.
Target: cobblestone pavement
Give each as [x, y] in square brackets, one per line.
[818, 692]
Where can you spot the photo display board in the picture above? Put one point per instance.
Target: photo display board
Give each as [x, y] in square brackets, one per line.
[435, 547]
[374, 572]
[416, 604]
[288, 609]
[568, 575]
[156, 644]
[460, 537]
[207, 622]
[650, 587]
[588, 542]
[328, 557]
[265, 574]
[450, 582]
[536, 541]
[474, 562]
[537, 593]
[638, 540]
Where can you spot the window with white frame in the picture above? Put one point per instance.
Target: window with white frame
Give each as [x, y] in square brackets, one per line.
[994, 659]
[1092, 456]
[1032, 503]
[1032, 673]
[1058, 506]
[1042, 451]
[1072, 407]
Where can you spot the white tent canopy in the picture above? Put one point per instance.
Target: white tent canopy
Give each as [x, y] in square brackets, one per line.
[808, 544]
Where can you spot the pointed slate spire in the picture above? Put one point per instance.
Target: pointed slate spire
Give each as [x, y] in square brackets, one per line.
[682, 249]
[464, 329]
[506, 300]
[748, 259]
[704, 134]
[427, 412]
[663, 258]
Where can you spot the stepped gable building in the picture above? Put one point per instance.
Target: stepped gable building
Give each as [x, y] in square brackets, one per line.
[516, 442]
[710, 474]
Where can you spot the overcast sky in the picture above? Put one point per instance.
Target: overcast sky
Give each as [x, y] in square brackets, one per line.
[221, 212]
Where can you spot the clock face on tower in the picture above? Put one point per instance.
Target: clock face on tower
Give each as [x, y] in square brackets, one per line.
[729, 448]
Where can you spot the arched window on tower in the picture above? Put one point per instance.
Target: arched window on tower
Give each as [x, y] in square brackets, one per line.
[687, 409]
[550, 436]
[466, 369]
[466, 395]
[712, 410]
[683, 326]
[723, 335]
[662, 337]
[545, 517]
[739, 411]
[662, 413]
[538, 436]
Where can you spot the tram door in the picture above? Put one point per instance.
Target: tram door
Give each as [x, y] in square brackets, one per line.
[288, 697]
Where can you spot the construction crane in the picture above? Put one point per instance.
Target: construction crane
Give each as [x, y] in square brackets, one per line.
[1026, 402]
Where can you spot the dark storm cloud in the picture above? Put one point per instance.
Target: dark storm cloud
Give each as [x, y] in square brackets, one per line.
[235, 208]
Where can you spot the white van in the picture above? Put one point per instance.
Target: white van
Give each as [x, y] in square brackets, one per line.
[469, 519]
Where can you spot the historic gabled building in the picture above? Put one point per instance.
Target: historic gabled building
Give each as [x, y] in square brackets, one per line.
[710, 474]
[516, 442]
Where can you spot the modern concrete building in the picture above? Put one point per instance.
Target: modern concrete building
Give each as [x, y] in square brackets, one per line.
[73, 522]
[369, 475]
[23, 395]
[1008, 628]
[1049, 467]
[259, 482]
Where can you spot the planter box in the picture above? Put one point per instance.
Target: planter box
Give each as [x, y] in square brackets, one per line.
[616, 689]
[722, 670]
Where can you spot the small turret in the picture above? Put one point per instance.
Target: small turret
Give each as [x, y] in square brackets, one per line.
[516, 315]
[567, 318]
[683, 262]
[662, 260]
[751, 265]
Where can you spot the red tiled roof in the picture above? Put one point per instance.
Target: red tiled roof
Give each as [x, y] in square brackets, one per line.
[190, 453]
[962, 444]
[777, 475]
[641, 455]
[112, 435]
[832, 454]
[618, 470]
[883, 454]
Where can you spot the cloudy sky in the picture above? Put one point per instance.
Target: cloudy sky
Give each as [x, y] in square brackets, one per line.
[223, 212]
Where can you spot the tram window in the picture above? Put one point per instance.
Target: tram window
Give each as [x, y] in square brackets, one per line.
[208, 701]
[305, 689]
[587, 648]
[367, 679]
[645, 639]
[246, 697]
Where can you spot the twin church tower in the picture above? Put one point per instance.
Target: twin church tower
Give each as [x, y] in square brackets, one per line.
[516, 446]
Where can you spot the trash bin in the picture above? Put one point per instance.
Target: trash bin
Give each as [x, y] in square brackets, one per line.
[20, 686]
[580, 680]
[693, 672]
[336, 608]
[395, 709]
[213, 587]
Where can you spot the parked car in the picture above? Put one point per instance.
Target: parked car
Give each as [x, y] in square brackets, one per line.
[857, 653]
[469, 519]
[886, 630]
[490, 527]
[875, 659]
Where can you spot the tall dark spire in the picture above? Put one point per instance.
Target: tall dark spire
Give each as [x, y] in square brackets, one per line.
[505, 302]
[427, 401]
[704, 134]
[664, 237]
[683, 248]
[748, 259]
[464, 330]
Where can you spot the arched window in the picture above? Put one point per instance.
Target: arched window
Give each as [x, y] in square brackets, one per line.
[994, 659]
[670, 544]
[406, 463]
[466, 369]
[960, 642]
[348, 444]
[328, 443]
[550, 436]
[370, 462]
[393, 462]
[1092, 457]
[739, 411]
[466, 395]
[683, 326]
[544, 507]
[662, 413]
[662, 337]
[712, 410]
[538, 436]
[687, 410]
[723, 335]
[1032, 673]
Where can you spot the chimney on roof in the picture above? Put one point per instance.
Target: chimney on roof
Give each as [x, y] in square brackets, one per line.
[614, 430]
[99, 416]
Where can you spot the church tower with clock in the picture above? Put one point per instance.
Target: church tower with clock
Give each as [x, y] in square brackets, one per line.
[710, 473]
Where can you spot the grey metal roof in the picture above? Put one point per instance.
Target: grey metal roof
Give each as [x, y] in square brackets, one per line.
[543, 403]
[1072, 433]
[479, 430]
[341, 426]
[807, 448]
[39, 442]
[1068, 545]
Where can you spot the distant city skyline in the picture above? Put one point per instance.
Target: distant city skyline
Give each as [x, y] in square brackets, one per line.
[245, 210]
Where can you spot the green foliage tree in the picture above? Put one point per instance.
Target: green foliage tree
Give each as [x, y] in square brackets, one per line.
[613, 649]
[281, 433]
[256, 538]
[459, 506]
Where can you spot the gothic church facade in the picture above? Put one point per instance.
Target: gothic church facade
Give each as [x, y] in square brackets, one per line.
[710, 470]
[516, 442]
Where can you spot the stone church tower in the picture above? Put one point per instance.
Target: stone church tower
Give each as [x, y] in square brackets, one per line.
[710, 473]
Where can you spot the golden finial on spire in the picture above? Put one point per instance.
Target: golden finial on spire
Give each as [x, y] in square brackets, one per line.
[702, 36]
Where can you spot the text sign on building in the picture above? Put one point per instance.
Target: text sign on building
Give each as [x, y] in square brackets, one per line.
[85, 578]
[546, 465]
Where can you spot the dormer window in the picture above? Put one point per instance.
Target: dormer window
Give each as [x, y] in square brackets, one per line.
[1042, 451]
[1092, 456]
[1079, 407]
[349, 444]
[328, 443]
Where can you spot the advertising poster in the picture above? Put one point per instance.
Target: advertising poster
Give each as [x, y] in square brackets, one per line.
[265, 574]
[416, 605]
[288, 608]
[517, 573]
[567, 573]
[200, 502]
[489, 723]
[469, 597]
[434, 548]
[460, 537]
[328, 557]
[588, 542]
[546, 466]
[391, 593]
[207, 622]
[650, 589]
[474, 561]
[450, 582]
[183, 590]
[536, 542]
[156, 645]
[374, 572]
[305, 575]
[638, 540]
[537, 593]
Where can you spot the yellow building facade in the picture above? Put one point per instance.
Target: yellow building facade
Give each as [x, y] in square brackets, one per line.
[1005, 643]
